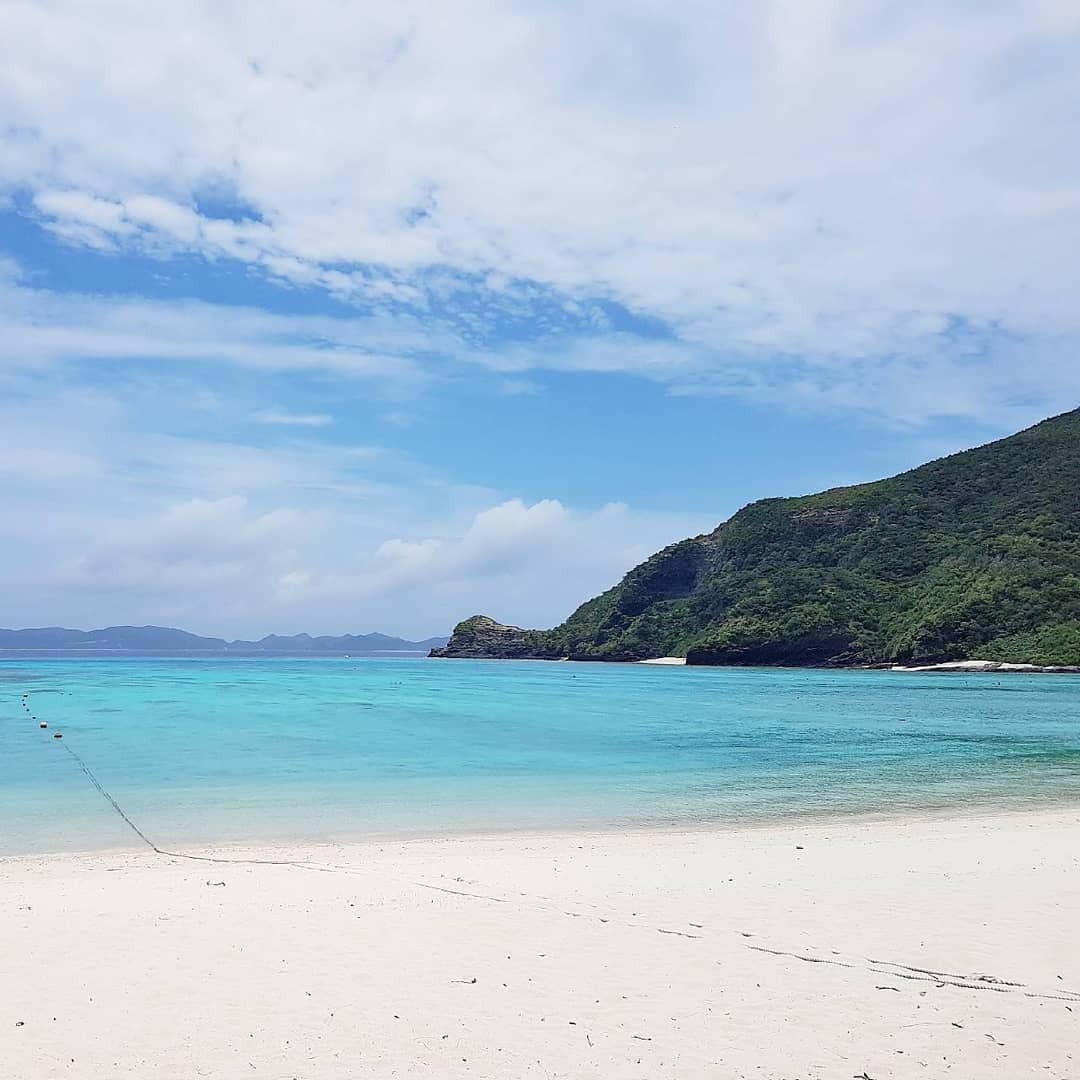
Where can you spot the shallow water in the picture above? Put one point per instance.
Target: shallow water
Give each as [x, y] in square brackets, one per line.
[200, 751]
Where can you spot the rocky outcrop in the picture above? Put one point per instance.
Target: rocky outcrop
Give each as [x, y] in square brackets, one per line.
[482, 638]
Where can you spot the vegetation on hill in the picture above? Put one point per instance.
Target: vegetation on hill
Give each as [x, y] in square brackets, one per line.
[976, 555]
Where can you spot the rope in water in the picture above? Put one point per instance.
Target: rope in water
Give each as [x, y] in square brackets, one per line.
[111, 801]
[107, 796]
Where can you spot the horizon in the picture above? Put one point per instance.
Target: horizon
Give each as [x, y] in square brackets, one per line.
[215, 637]
[426, 317]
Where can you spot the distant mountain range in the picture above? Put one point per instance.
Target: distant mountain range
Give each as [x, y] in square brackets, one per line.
[163, 639]
[974, 556]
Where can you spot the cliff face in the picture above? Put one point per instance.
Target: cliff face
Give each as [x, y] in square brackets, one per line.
[973, 555]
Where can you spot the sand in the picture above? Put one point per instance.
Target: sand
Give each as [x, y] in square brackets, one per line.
[992, 667]
[923, 948]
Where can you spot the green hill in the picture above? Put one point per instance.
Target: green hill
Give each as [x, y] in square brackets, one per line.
[976, 555]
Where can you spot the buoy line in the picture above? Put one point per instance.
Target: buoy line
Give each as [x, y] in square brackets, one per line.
[111, 801]
[107, 796]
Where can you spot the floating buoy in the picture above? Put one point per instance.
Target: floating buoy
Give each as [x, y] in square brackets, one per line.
[57, 735]
[43, 724]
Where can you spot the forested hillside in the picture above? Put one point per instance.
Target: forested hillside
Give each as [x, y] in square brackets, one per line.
[973, 555]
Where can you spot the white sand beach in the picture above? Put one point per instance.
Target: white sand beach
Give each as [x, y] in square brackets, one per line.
[921, 948]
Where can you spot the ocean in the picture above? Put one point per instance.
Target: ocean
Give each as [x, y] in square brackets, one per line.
[210, 751]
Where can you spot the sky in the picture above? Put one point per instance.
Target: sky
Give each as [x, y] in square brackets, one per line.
[343, 317]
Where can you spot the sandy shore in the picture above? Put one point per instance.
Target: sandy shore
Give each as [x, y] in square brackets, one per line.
[906, 949]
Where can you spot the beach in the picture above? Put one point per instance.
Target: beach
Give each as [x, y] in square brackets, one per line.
[915, 947]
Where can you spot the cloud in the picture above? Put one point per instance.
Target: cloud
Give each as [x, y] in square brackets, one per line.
[245, 565]
[520, 387]
[41, 327]
[275, 417]
[806, 198]
[526, 563]
[946, 368]
[200, 546]
[108, 519]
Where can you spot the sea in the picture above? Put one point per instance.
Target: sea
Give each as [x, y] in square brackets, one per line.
[214, 751]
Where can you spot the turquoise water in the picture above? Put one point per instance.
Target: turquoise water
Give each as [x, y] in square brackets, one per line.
[201, 751]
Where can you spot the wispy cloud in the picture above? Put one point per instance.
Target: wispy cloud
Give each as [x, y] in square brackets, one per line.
[278, 418]
[936, 368]
[520, 387]
[39, 326]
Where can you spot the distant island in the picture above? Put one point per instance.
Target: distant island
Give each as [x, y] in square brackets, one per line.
[165, 640]
[972, 556]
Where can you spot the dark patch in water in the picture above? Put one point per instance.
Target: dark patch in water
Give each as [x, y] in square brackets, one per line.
[974, 739]
[971, 687]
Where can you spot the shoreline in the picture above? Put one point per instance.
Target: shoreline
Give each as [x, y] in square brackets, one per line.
[818, 950]
[958, 813]
[992, 667]
[959, 667]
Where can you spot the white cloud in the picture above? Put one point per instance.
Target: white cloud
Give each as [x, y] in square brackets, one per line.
[530, 564]
[222, 560]
[276, 417]
[40, 327]
[108, 520]
[83, 216]
[244, 565]
[197, 546]
[834, 186]
[520, 387]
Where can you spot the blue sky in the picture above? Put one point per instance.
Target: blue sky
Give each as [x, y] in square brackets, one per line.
[346, 319]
